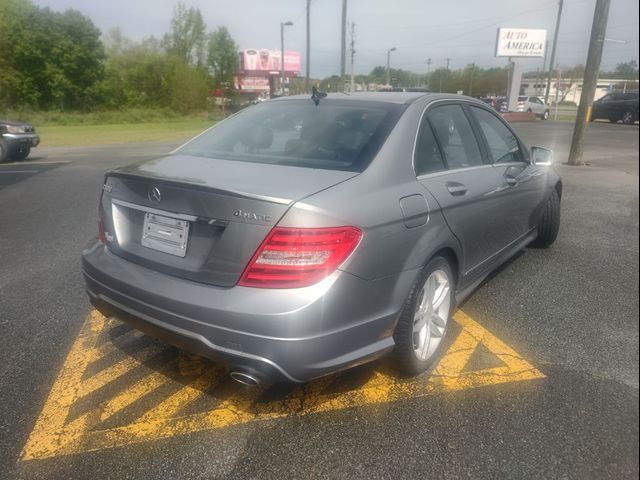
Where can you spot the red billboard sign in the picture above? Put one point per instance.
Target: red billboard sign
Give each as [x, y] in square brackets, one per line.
[265, 60]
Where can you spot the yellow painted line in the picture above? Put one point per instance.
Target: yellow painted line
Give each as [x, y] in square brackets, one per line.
[127, 397]
[53, 435]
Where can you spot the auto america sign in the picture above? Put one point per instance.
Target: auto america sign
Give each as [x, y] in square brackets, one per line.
[520, 42]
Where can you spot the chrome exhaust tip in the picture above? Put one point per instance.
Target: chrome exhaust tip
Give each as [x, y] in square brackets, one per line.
[246, 379]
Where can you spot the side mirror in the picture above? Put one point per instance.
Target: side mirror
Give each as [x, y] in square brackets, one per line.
[541, 156]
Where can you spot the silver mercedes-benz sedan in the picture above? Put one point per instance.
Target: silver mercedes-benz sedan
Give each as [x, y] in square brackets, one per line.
[306, 235]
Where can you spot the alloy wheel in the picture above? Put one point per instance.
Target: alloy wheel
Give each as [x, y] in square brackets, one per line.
[431, 315]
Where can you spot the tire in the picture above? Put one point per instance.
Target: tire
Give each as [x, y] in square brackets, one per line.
[549, 223]
[21, 153]
[628, 117]
[407, 355]
[545, 115]
[4, 151]
[613, 119]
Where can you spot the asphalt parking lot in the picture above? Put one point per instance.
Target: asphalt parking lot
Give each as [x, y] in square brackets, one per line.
[540, 379]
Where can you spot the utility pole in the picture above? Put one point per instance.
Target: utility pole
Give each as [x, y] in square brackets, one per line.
[429, 62]
[282, 25]
[473, 66]
[553, 52]
[352, 89]
[343, 43]
[598, 30]
[389, 64]
[448, 60]
[306, 81]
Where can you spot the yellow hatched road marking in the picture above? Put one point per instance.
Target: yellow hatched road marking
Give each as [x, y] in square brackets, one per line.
[56, 434]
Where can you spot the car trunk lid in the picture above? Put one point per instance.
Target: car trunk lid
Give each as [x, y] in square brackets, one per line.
[200, 218]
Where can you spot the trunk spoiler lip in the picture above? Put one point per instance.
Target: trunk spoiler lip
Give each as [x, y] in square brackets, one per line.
[197, 185]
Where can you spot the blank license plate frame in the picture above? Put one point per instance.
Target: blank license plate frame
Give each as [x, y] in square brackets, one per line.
[165, 234]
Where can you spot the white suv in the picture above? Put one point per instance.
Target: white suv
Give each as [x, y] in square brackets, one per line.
[533, 104]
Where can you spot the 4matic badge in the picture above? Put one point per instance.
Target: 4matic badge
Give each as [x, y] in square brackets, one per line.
[252, 216]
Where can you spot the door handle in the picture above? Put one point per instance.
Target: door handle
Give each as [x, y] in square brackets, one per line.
[511, 181]
[456, 189]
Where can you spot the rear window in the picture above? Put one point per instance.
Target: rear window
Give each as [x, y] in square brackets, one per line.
[522, 99]
[335, 135]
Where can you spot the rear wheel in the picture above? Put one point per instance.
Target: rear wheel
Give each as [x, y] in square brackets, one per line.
[549, 223]
[425, 318]
[4, 151]
[22, 152]
[628, 117]
[613, 119]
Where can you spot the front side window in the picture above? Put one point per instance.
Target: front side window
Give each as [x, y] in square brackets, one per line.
[335, 135]
[503, 145]
[455, 137]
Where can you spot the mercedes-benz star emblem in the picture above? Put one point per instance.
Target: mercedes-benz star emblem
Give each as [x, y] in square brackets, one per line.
[154, 194]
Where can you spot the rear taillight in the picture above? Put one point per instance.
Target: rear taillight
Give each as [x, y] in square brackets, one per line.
[298, 257]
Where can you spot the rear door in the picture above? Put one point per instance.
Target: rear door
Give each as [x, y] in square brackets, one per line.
[522, 187]
[450, 165]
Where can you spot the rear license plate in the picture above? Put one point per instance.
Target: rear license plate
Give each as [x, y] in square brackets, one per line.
[165, 234]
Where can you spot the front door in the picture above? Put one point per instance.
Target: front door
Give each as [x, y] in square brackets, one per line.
[450, 165]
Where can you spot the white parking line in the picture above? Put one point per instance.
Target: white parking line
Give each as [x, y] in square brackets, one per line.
[19, 171]
[44, 162]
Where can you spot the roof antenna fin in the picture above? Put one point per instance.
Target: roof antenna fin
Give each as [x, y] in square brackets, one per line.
[316, 95]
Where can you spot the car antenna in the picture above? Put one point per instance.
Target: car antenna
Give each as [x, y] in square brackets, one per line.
[316, 95]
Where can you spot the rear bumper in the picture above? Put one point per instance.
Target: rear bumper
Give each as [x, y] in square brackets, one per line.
[30, 139]
[280, 335]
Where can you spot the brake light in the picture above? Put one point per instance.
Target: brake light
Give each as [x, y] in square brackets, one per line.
[299, 257]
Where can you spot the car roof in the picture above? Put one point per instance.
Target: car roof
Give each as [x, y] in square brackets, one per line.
[386, 97]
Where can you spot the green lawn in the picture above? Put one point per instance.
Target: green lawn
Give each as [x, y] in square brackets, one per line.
[82, 135]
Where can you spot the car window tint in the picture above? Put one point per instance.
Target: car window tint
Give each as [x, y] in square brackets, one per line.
[428, 158]
[455, 136]
[503, 145]
[332, 135]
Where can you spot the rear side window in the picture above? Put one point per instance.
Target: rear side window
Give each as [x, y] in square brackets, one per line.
[455, 136]
[503, 145]
[335, 135]
[428, 158]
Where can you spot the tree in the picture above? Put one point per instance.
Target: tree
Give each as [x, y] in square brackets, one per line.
[627, 70]
[223, 58]
[48, 59]
[188, 36]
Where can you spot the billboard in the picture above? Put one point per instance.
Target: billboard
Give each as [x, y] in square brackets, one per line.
[520, 42]
[265, 60]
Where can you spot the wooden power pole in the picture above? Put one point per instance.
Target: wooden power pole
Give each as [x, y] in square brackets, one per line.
[307, 74]
[590, 82]
[553, 53]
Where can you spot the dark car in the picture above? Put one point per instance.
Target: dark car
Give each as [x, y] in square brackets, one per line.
[16, 140]
[303, 236]
[617, 107]
[497, 103]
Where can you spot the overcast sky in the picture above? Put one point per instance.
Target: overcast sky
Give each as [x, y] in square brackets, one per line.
[462, 30]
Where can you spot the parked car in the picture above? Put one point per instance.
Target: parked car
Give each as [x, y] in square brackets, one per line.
[498, 103]
[16, 140]
[304, 236]
[533, 104]
[617, 107]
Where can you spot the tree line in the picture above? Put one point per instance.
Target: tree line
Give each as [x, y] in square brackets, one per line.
[60, 61]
